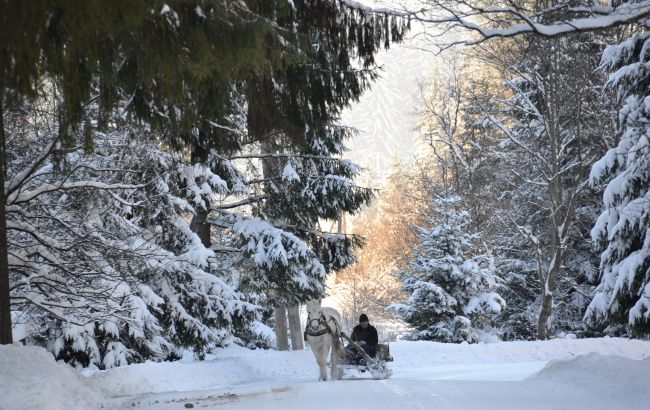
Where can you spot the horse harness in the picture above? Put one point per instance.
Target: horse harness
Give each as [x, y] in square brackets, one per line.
[322, 320]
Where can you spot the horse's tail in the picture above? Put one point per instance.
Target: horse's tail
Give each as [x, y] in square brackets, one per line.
[335, 332]
[338, 346]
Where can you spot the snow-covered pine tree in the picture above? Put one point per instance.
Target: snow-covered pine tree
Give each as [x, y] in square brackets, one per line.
[453, 294]
[623, 229]
[105, 268]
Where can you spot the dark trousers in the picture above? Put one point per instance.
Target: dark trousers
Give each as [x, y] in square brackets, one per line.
[370, 350]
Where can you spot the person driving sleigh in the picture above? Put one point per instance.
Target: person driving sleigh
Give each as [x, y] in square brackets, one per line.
[365, 335]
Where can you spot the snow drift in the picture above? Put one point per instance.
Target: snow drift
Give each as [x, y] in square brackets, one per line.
[31, 379]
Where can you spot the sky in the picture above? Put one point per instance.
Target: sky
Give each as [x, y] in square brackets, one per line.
[387, 114]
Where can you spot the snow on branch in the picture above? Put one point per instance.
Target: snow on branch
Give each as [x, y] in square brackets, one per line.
[352, 4]
[507, 21]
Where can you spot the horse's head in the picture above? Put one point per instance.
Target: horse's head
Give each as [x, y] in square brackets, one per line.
[314, 314]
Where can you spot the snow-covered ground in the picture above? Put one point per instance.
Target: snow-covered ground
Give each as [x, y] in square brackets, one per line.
[606, 373]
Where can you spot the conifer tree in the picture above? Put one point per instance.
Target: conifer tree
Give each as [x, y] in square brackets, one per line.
[623, 294]
[105, 269]
[452, 293]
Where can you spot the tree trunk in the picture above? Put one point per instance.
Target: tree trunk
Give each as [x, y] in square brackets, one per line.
[5, 303]
[201, 227]
[281, 336]
[555, 196]
[543, 328]
[295, 327]
[342, 228]
[548, 287]
[269, 169]
[199, 223]
[259, 129]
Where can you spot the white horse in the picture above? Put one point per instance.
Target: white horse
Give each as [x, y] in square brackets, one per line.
[323, 333]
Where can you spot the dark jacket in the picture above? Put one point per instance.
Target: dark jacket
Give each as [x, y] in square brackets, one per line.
[369, 335]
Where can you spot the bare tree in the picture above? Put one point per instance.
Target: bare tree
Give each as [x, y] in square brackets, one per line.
[452, 118]
[556, 110]
[5, 304]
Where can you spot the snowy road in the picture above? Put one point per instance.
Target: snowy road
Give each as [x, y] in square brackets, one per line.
[419, 388]
[561, 374]
[436, 376]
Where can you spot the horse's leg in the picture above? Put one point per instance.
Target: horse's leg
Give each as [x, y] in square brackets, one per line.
[326, 350]
[321, 358]
[334, 356]
[323, 365]
[316, 348]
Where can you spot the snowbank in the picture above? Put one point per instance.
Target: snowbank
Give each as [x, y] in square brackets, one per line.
[227, 368]
[420, 353]
[600, 381]
[583, 369]
[31, 379]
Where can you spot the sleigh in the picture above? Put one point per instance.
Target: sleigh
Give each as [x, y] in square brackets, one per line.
[323, 332]
[362, 362]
